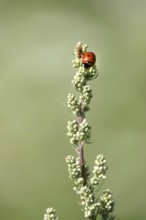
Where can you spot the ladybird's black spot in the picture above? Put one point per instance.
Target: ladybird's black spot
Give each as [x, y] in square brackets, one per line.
[87, 64]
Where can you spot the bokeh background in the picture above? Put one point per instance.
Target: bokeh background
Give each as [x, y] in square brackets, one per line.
[37, 39]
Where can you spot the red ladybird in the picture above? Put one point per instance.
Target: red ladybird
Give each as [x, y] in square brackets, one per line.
[88, 59]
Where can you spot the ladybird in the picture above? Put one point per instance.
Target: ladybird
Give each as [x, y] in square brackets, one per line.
[88, 59]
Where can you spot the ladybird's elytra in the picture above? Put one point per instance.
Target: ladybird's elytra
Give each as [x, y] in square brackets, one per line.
[88, 59]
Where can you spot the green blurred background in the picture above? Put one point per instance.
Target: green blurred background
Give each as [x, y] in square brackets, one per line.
[37, 39]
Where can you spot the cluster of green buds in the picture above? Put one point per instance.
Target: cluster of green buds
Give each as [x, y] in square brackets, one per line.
[80, 79]
[99, 170]
[79, 50]
[74, 171]
[78, 134]
[86, 192]
[106, 206]
[92, 205]
[83, 101]
[50, 214]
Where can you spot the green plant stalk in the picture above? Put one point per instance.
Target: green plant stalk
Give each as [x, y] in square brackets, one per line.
[80, 148]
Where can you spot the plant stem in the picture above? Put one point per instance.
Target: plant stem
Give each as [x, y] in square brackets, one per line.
[82, 163]
[80, 118]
